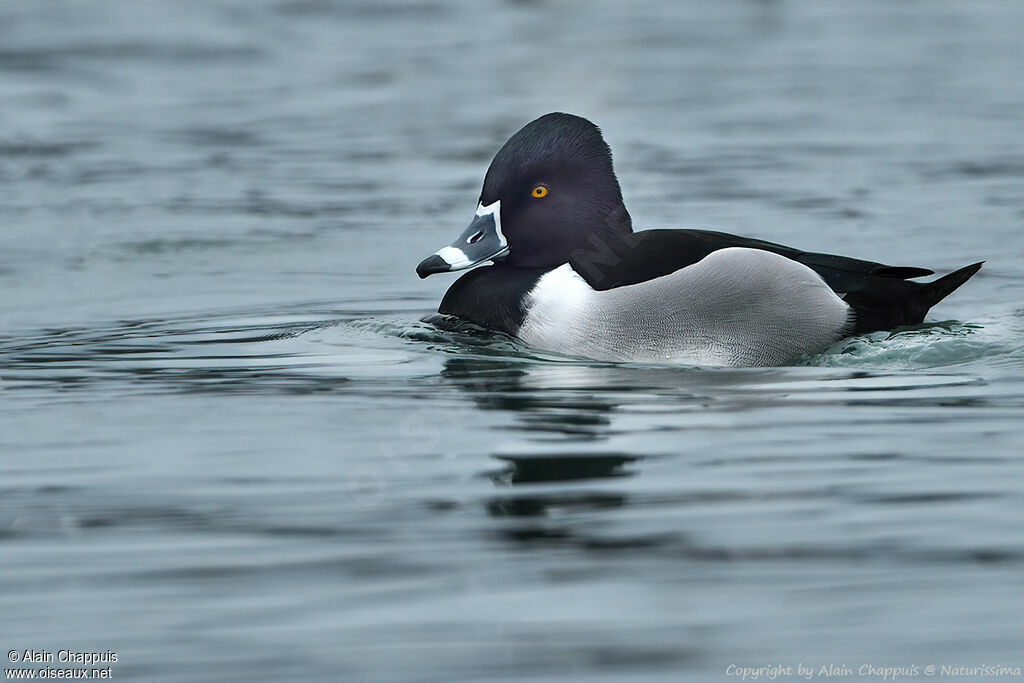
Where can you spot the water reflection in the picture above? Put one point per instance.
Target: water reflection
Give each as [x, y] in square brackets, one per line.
[564, 411]
[529, 469]
[541, 505]
[571, 411]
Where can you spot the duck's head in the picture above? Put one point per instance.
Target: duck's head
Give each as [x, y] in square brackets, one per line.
[550, 190]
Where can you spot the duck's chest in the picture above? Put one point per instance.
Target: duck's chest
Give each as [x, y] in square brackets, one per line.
[495, 297]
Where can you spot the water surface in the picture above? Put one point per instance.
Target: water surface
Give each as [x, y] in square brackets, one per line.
[231, 450]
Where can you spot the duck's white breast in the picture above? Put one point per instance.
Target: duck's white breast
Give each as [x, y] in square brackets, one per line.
[736, 307]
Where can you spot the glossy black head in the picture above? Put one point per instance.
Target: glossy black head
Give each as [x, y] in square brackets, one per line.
[550, 190]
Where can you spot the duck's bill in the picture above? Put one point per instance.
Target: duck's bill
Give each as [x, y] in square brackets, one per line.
[481, 241]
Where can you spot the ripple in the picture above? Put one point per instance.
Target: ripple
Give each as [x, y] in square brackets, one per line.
[934, 345]
[42, 149]
[55, 57]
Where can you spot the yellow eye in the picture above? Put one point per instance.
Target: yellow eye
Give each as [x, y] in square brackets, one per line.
[539, 191]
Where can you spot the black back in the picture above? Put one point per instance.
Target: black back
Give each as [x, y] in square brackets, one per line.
[648, 254]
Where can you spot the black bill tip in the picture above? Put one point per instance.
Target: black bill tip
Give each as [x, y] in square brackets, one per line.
[432, 264]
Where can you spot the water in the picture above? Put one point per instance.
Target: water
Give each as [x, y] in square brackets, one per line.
[230, 450]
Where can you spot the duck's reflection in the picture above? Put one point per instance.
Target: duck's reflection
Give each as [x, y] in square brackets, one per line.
[552, 402]
[528, 469]
[566, 411]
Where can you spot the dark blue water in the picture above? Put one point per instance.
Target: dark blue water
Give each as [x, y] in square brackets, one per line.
[230, 450]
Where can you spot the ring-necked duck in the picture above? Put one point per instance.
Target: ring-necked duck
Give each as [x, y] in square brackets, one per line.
[569, 275]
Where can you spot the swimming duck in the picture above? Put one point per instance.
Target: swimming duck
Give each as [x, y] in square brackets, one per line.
[566, 273]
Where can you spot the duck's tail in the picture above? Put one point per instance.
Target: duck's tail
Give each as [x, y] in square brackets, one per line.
[934, 292]
[893, 302]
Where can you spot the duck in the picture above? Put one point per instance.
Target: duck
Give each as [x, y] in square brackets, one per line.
[554, 261]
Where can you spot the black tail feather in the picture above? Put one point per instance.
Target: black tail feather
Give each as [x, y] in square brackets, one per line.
[888, 303]
[936, 291]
